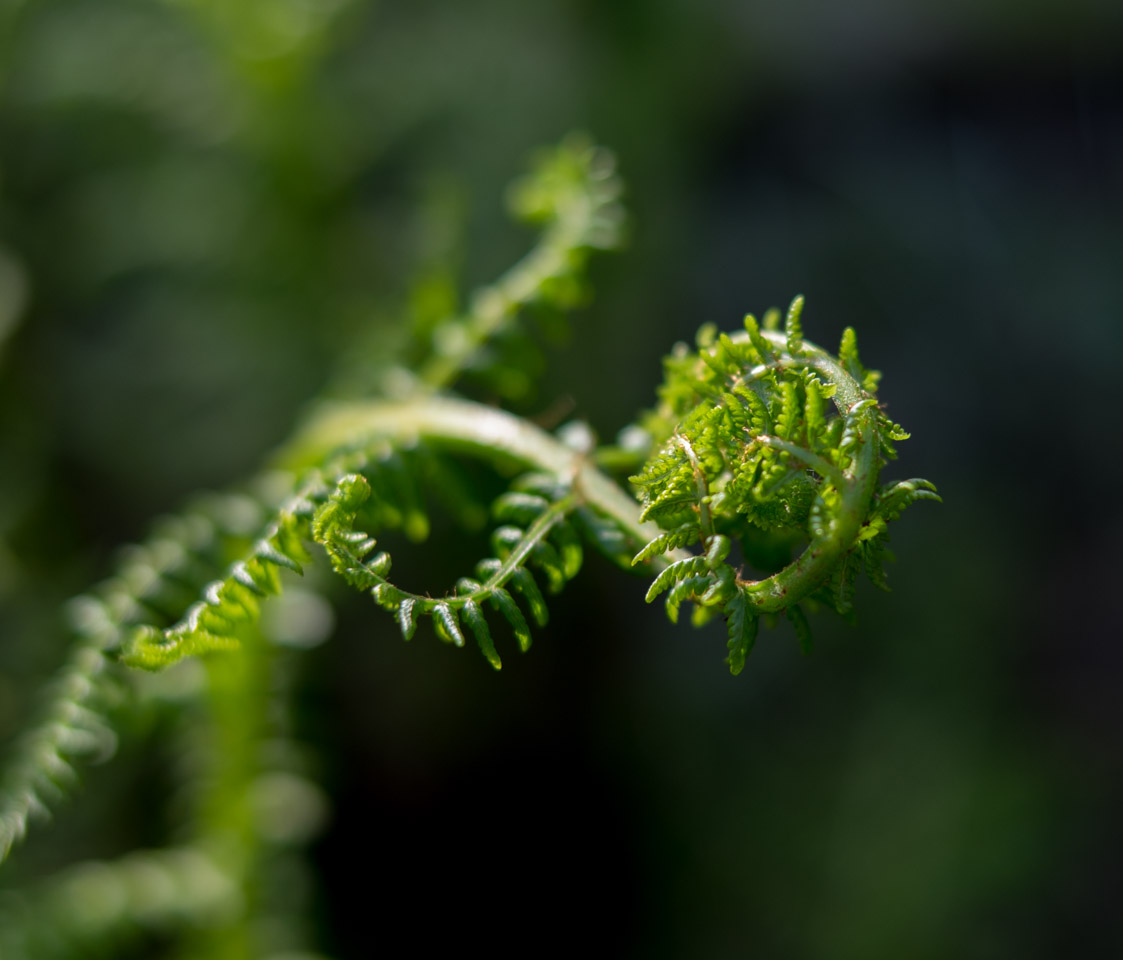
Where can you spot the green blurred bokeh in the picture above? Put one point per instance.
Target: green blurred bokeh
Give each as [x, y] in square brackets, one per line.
[212, 211]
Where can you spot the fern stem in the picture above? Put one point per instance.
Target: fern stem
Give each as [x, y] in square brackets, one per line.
[535, 534]
[460, 424]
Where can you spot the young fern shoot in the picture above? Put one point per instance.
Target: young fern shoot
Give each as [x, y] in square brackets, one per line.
[750, 453]
[763, 445]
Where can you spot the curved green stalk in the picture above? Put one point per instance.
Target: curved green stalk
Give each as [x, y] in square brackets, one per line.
[461, 424]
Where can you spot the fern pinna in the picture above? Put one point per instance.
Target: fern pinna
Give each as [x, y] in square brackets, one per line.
[762, 445]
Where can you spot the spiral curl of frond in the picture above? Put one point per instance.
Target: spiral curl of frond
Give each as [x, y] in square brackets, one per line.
[751, 453]
[535, 532]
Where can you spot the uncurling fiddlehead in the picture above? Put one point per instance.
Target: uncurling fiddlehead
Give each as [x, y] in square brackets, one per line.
[765, 446]
[752, 453]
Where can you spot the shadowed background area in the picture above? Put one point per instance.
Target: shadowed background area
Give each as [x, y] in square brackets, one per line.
[210, 212]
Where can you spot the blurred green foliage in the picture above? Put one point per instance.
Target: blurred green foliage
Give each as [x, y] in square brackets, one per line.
[210, 211]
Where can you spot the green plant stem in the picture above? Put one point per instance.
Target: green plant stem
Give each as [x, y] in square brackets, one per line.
[535, 534]
[460, 424]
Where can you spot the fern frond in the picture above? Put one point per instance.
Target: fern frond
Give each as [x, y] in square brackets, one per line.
[72, 726]
[325, 511]
[446, 622]
[523, 581]
[502, 601]
[478, 625]
[873, 556]
[764, 352]
[754, 452]
[798, 619]
[679, 570]
[893, 498]
[742, 624]
[848, 354]
[689, 588]
[814, 415]
[842, 585]
[153, 583]
[681, 536]
[407, 621]
[545, 540]
[793, 328]
[212, 623]
[747, 451]
[572, 192]
[100, 906]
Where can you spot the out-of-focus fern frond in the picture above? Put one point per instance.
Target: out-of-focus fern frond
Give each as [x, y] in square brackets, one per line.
[572, 194]
[153, 582]
[93, 908]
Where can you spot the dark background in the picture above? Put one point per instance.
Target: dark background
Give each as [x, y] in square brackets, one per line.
[208, 211]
